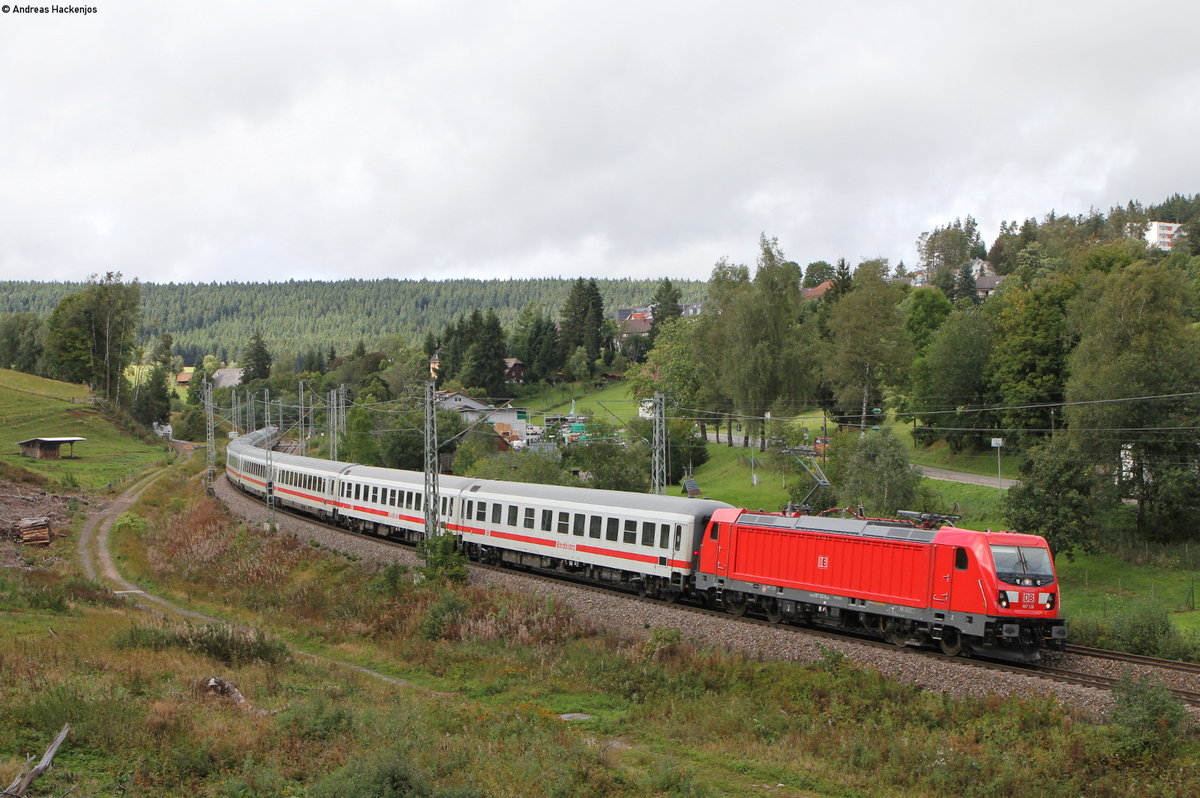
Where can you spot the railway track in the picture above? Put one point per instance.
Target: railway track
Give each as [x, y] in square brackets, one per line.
[1056, 673]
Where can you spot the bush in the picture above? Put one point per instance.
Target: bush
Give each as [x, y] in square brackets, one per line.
[385, 775]
[1145, 628]
[443, 562]
[230, 645]
[1148, 720]
[449, 607]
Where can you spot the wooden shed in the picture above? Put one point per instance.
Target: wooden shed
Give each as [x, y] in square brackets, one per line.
[47, 448]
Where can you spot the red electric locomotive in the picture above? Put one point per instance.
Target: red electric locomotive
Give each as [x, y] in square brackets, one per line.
[992, 593]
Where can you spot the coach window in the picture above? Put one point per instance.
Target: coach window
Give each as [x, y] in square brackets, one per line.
[960, 559]
[418, 501]
[630, 531]
[611, 528]
[497, 511]
[470, 507]
[564, 523]
[664, 536]
[512, 515]
[647, 533]
[547, 520]
[481, 512]
[530, 518]
[678, 535]
[357, 492]
[594, 527]
[375, 494]
[580, 520]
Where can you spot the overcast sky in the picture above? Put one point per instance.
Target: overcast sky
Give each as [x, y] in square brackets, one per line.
[255, 141]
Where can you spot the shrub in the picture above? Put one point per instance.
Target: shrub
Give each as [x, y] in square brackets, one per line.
[1148, 720]
[448, 608]
[228, 644]
[443, 562]
[1146, 628]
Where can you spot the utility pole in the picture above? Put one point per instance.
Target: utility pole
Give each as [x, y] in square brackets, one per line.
[331, 414]
[432, 499]
[266, 407]
[300, 423]
[658, 477]
[236, 413]
[210, 437]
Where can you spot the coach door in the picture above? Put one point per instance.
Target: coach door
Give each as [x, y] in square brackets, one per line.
[943, 576]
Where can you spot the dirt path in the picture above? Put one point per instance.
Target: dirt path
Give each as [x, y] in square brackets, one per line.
[97, 562]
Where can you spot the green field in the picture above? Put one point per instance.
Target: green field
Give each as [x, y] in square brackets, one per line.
[32, 407]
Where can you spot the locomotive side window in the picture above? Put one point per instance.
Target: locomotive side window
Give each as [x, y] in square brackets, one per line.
[564, 523]
[512, 515]
[712, 531]
[610, 532]
[664, 536]
[547, 520]
[630, 532]
[577, 529]
[594, 526]
[647, 533]
[960, 559]
[530, 517]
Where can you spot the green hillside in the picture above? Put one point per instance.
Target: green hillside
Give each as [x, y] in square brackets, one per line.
[295, 316]
[32, 407]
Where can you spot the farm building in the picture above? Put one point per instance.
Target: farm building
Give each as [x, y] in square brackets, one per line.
[46, 448]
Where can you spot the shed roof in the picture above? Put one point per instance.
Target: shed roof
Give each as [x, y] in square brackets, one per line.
[52, 440]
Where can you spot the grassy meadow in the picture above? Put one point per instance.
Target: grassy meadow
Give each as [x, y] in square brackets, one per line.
[33, 407]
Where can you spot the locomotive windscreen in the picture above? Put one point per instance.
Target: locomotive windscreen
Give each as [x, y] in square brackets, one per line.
[1023, 565]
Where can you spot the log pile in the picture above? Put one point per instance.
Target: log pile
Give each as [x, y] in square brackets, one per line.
[32, 531]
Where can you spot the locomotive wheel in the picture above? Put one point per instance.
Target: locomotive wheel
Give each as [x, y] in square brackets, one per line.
[774, 611]
[670, 596]
[735, 604]
[897, 635]
[951, 642]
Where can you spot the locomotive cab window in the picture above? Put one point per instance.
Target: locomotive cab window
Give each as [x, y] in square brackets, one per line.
[960, 559]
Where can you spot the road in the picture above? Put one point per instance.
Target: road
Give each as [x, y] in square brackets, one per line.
[970, 479]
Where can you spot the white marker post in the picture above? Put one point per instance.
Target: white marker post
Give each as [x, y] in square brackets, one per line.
[998, 444]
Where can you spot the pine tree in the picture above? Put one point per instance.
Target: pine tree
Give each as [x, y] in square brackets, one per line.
[257, 360]
[666, 307]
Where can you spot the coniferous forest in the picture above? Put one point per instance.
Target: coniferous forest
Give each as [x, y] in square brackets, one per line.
[296, 316]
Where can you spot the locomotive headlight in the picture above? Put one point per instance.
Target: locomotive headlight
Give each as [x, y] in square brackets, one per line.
[1050, 600]
[1004, 599]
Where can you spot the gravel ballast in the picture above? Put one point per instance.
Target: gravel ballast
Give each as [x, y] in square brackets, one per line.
[635, 619]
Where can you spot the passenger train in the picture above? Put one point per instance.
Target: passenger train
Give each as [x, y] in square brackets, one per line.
[992, 594]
